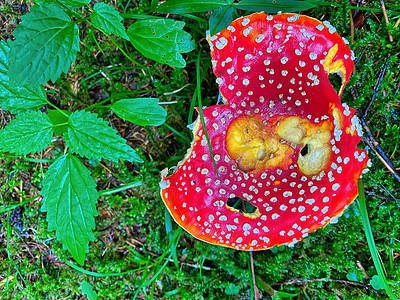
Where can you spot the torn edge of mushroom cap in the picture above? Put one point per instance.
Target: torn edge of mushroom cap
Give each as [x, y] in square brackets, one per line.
[165, 183]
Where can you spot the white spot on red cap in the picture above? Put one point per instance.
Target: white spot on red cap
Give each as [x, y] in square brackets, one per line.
[260, 38]
[293, 18]
[247, 31]
[221, 43]
[245, 21]
[275, 216]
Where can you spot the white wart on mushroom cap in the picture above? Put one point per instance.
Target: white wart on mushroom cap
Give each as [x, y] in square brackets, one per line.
[283, 142]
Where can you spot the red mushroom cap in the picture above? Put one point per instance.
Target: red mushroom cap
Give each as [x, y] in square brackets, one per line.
[283, 141]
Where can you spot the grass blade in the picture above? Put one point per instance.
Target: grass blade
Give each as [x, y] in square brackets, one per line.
[371, 243]
[201, 111]
[177, 132]
[120, 188]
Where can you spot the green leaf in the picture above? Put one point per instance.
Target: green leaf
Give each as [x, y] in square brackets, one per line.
[352, 276]
[69, 198]
[59, 120]
[376, 283]
[140, 111]
[91, 136]
[108, 19]
[162, 40]
[46, 43]
[70, 3]
[284, 295]
[191, 6]
[87, 289]
[232, 289]
[75, 3]
[221, 18]
[29, 132]
[17, 98]
[274, 6]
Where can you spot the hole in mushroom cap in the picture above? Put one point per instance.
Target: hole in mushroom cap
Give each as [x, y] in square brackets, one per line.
[304, 151]
[241, 205]
[314, 138]
[336, 81]
[335, 67]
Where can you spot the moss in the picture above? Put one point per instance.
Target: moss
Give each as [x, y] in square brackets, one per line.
[130, 230]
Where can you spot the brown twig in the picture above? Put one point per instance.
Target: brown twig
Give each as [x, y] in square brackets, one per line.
[351, 27]
[371, 141]
[253, 276]
[360, 266]
[359, 56]
[397, 87]
[379, 196]
[374, 145]
[386, 18]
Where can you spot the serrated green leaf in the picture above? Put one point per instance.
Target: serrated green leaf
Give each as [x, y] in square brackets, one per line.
[162, 40]
[91, 137]
[46, 43]
[191, 6]
[17, 98]
[29, 132]
[87, 289]
[69, 198]
[107, 18]
[59, 120]
[274, 6]
[221, 18]
[140, 111]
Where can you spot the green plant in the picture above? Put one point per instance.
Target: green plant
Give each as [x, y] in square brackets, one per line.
[46, 43]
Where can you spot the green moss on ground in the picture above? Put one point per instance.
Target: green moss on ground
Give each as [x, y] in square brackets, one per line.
[131, 232]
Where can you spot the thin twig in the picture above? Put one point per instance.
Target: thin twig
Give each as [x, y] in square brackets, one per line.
[360, 266]
[371, 141]
[360, 56]
[351, 27]
[253, 275]
[378, 85]
[177, 91]
[397, 23]
[386, 18]
[374, 145]
[398, 86]
[379, 196]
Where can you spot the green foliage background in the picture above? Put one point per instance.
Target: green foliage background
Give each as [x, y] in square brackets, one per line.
[137, 251]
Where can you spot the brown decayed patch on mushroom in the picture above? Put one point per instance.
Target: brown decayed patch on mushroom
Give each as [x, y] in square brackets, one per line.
[283, 141]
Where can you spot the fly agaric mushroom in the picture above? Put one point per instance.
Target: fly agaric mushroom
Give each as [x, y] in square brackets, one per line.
[282, 141]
